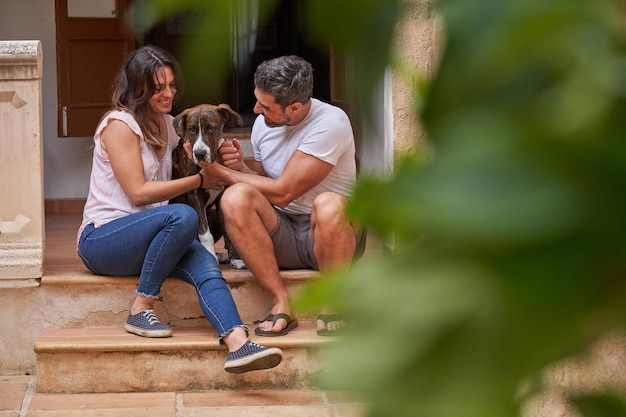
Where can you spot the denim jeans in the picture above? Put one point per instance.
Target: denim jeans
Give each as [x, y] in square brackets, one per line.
[157, 243]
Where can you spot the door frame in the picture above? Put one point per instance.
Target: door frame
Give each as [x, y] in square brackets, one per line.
[89, 54]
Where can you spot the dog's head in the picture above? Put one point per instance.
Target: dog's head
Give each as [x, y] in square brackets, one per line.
[202, 126]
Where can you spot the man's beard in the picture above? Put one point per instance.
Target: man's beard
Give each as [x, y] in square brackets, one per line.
[270, 123]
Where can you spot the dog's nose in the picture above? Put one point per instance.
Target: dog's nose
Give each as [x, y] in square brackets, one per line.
[200, 154]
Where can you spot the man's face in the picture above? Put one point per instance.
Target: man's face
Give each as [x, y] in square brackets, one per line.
[266, 105]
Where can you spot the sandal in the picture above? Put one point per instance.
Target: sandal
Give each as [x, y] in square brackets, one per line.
[327, 318]
[291, 324]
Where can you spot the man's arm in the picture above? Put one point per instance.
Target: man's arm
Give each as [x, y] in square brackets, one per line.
[302, 173]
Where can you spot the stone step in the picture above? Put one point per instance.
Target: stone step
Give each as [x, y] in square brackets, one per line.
[83, 299]
[87, 349]
[108, 359]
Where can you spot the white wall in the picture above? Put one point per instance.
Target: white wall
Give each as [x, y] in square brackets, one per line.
[67, 163]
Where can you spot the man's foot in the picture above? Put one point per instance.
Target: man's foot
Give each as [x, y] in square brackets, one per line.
[291, 324]
[330, 324]
[146, 324]
[252, 357]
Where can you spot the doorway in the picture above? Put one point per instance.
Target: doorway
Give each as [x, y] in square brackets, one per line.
[280, 34]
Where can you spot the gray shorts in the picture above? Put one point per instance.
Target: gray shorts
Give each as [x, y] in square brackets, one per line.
[293, 243]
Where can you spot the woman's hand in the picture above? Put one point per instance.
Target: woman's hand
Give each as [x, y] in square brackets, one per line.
[231, 154]
[188, 149]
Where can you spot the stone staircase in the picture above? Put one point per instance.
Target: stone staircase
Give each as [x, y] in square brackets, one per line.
[97, 355]
[85, 349]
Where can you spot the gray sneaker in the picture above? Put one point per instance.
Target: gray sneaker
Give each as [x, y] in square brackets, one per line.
[145, 323]
[252, 357]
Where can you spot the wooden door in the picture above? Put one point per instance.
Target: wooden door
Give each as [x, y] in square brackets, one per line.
[92, 41]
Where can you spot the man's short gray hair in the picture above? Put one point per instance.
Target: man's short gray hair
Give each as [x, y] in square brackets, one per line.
[289, 79]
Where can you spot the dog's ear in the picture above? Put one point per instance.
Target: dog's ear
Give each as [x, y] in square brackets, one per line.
[179, 123]
[230, 116]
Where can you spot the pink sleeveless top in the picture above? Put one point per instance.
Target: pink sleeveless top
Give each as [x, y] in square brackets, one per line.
[106, 200]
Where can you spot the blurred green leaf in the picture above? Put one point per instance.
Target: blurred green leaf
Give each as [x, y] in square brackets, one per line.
[364, 30]
[205, 53]
[601, 405]
[512, 238]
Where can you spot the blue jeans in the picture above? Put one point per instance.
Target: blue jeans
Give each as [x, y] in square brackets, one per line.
[158, 243]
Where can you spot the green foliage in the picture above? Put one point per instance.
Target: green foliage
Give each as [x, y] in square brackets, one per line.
[512, 239]
[364, 30]
[601, 405]
[205, 54]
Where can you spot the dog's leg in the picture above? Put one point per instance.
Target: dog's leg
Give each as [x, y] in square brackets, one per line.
[213, 223]
[235, 260]
[216, 230]
[206, 237]
[207, 241]
[198, 200]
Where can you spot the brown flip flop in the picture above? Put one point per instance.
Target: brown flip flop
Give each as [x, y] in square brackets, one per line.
[327, 318]
[291, 324]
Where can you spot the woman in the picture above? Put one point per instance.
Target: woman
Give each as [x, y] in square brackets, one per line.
[128, 226]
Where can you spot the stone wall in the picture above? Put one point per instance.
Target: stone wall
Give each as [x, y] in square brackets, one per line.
[21, 158]
[417, 47]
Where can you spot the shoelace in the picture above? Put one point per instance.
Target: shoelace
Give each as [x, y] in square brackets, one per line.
[251, 347]
[151, 317]
[254, 344]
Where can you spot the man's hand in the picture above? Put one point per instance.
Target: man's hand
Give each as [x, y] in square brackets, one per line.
[210, 182]
[231, 154]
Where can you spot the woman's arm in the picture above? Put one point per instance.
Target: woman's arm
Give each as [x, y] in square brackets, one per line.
[122, 145]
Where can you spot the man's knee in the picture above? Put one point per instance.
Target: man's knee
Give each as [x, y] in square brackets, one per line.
[329, 207]
[236, 197]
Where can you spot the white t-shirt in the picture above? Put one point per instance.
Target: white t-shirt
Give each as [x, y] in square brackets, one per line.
[326, 134]
[106, 200]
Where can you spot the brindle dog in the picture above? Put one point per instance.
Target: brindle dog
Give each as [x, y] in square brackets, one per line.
[202, 126]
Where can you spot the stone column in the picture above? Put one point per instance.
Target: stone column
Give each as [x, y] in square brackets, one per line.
[21, 164]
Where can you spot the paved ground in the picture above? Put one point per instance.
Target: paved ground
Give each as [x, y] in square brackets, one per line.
[18, 398]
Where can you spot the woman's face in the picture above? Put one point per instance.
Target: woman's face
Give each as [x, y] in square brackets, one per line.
[162, 99]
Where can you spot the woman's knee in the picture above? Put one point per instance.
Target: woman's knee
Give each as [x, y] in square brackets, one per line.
[184, 216]
[197, 265]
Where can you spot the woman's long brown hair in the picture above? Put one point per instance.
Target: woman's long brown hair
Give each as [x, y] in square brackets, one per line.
[134, 85]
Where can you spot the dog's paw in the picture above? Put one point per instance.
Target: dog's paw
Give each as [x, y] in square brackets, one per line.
[238, 264]
[222, 258]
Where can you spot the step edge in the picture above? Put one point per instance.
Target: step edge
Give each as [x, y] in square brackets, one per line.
[121, 341]
[231, 276]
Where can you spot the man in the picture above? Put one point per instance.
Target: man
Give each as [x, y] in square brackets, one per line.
[288, 210]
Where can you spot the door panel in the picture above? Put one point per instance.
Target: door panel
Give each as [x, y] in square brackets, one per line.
[89, 53]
